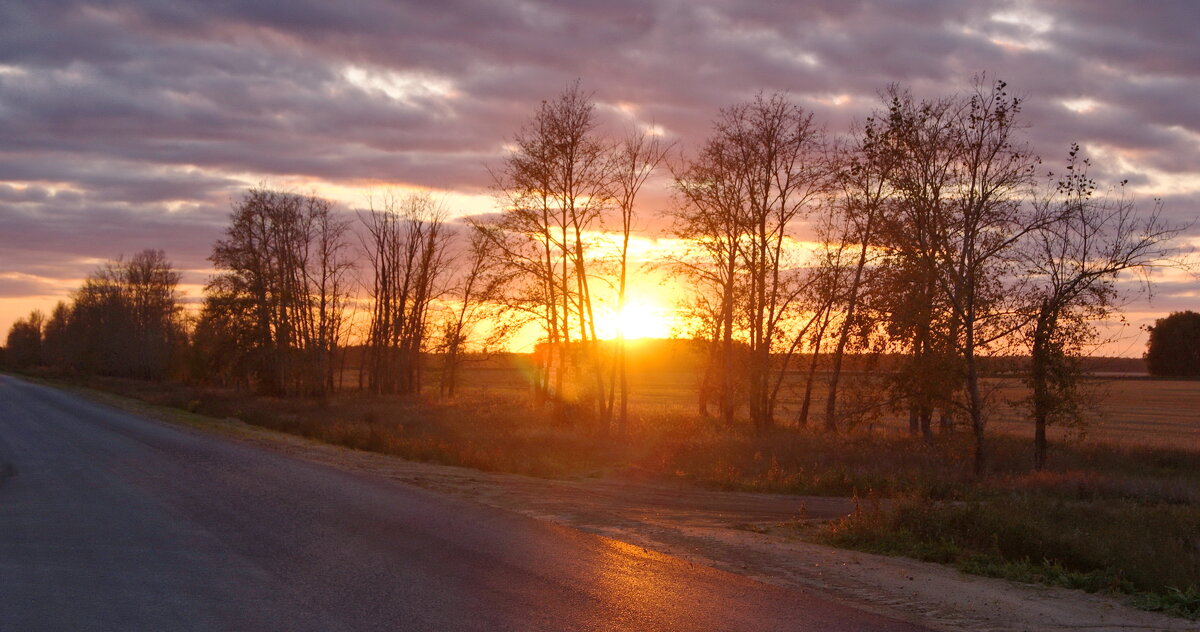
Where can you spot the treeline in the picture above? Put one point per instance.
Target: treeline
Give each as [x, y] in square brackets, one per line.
[298, 281]
[126, 320]
[295, 284]
[926, 234]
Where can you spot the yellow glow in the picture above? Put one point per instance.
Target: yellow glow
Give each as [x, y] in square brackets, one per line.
[640, 319]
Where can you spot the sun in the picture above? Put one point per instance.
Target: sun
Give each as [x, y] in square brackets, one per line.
[640, 319]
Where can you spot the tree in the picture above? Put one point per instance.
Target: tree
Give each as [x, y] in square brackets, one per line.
[475, 293]
[961, 178]
[919, 143]
[282, 261]
[406, 246]
[555, 187]
[125, 320]
[788, 175]
[226, 347]
[708, 222]
[635, 161]
[1174, 345]
[975, 250]
[1076, 260]
[149, 283]
[23, 347]
[865, 194]
[55, 336]
[762, 171]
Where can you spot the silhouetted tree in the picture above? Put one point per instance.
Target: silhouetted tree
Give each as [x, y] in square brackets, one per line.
[474, 307]
[556, 186]
[282, 260]
[226, 349]
[864, 182]
[1174, 345]
[126, 319]
[23, 348]
[635, 160]
[1076, 260]
[763, 170]
[961, 177]
[55, 336]
[920, 141]
[406, 245]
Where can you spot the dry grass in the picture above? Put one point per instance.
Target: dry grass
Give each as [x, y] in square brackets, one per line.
[491, 425]
[1149, 550]
[1129, 410]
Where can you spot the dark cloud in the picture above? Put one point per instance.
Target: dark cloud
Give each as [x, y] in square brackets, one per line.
[130, 125]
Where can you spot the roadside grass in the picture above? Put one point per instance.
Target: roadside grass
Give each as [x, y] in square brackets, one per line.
[1150, 550]
[1111, 518]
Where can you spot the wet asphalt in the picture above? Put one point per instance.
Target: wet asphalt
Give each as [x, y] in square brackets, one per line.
[110, 521]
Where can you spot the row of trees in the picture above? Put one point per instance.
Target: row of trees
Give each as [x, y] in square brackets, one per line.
[275, 313]
[937, 244]
[920, 243]
[126, 320]
[292, 286]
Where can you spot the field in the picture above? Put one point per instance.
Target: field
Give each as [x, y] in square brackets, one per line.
[1129, 410]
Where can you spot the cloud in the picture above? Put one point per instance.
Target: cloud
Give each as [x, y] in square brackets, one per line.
[24, 286]
[132, 125]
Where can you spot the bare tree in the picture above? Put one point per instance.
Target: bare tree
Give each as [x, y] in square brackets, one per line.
[556, 186]
[865, 190]
[975, 250]
[475, 307]
[283, 260]
[635, 161]
[1076, 261]
[406, 246]
[708, 221]
[763, 170]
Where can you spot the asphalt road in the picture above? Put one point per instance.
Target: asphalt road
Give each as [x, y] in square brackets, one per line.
[109, 521]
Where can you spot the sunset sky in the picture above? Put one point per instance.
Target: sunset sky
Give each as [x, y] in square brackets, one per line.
[133, 125]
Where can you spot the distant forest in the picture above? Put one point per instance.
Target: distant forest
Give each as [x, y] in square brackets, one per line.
[941, 243]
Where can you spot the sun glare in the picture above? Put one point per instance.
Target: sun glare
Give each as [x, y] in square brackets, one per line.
[643, 320]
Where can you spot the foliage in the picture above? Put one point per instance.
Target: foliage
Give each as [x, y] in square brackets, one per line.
[1174, 345]
[274, 315]
[23, 348]
[125, 320]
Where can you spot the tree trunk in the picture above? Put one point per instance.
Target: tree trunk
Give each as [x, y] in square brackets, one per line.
[975, 406]
[1039, 376]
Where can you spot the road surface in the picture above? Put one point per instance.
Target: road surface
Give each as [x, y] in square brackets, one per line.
[109, 521]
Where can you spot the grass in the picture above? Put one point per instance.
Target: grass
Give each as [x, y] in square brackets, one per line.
[1124, 546]
[1110, 516]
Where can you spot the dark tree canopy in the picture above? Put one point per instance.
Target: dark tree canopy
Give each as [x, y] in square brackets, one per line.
[1174, 346]
[24, 347]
